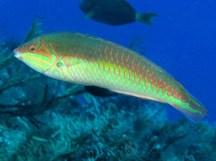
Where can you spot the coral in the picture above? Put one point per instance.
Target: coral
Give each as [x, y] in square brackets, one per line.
[109, 132]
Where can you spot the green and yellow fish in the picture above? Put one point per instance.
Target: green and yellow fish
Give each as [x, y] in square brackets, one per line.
[92, 61]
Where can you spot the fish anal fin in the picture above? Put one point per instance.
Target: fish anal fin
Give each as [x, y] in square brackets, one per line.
[139, 96]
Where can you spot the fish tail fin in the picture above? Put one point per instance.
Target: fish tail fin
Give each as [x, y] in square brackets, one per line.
[193, 109]
[145, 17]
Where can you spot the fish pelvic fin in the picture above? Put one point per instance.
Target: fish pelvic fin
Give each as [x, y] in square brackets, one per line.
[145, 18]
[192, 109]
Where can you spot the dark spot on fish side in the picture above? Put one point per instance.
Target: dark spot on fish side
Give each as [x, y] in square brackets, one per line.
[59, 64]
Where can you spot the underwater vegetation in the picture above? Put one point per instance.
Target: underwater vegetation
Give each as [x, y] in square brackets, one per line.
[83, 127]
[45, 119]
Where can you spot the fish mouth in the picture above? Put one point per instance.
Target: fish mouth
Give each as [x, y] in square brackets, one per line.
[17, 54]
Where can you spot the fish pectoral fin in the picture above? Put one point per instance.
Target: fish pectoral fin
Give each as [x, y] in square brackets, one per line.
[100, 92]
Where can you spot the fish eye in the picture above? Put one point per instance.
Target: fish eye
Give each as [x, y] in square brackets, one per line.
[32, 48]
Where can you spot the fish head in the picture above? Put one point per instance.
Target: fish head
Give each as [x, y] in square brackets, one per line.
[37, 54]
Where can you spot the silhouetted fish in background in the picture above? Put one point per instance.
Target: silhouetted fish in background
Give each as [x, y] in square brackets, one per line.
[114, 12]
[92, 61]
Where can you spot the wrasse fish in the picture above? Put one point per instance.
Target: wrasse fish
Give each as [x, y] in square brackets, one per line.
[114, 12]
[92, 61]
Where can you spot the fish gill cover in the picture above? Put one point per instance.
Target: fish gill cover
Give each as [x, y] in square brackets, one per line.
[44, 119]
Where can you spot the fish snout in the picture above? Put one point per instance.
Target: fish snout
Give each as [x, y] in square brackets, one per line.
[17, 54]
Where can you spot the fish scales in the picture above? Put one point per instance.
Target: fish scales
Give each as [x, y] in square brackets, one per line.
[93, 61]
[125, 63]
[111, 64]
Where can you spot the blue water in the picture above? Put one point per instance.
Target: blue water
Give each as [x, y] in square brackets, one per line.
[182, 41]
